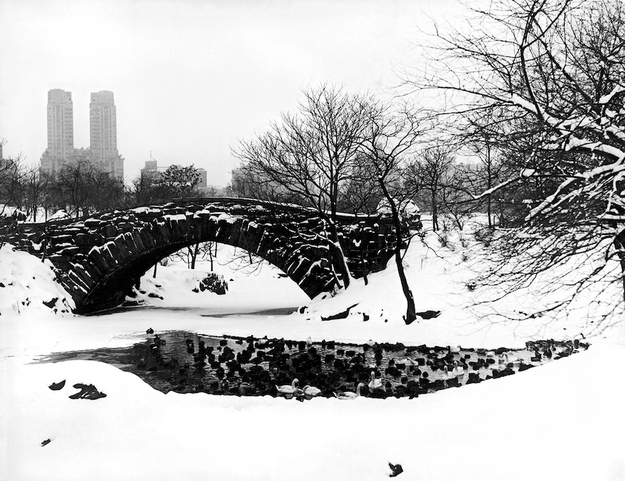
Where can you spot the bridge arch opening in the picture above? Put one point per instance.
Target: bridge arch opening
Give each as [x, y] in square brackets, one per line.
[307, 268]
[250, 288]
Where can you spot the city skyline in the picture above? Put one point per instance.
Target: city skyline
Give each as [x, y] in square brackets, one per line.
[193, 78]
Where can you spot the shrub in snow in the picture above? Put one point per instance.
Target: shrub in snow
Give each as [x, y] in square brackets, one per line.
[484, 235]
[213, 282]
[408, 211]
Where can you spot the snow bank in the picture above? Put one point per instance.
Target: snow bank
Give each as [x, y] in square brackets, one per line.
[27, 285]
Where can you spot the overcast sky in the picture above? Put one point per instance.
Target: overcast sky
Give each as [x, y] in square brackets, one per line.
[193, 77]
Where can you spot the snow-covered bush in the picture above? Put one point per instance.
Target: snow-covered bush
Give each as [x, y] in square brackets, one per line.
[213, 282]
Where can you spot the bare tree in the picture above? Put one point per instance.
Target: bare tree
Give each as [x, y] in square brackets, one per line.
[311, 155]
[192, 253]
[390, 137]
[11, 185]
[430, 172]
[361, 193]
[550, 74]
[81, 188]
[249, 182]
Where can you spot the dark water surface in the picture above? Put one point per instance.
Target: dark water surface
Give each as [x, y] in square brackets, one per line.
[186, 362]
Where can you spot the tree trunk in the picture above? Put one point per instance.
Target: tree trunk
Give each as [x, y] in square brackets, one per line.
[338, 258]
[619, 244]
[434, 212]
[411, 311]
[210, 255]
[489, 180]
[193, 252]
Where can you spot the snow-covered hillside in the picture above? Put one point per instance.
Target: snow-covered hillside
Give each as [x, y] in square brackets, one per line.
[563, 420]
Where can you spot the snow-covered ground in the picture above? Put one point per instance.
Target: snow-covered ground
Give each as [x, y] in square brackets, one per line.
[561, 421]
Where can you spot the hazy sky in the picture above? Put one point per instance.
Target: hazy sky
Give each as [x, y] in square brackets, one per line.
[193, 77]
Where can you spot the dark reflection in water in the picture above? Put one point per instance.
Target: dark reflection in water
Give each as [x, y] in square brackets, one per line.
[186, 362]
[280, 311]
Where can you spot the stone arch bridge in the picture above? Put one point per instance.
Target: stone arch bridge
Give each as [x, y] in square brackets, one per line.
[98, 259]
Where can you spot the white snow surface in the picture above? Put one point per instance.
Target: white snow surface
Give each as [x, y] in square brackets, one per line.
[561, 421]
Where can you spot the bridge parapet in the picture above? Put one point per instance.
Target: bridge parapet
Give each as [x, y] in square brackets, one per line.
[99, 258]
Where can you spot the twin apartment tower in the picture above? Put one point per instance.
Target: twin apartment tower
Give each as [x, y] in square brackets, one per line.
[102, 133]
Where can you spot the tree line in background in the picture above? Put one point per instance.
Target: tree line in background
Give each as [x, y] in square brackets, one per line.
[81, 189]
[528, 128]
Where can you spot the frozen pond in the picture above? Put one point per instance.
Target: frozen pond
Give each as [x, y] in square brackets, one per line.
[188, 362]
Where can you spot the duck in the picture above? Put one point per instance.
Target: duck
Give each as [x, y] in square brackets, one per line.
[396, 470]
[244, 388]
[516, 362]
[406, 361]
[375, 383]
[288, 391]
[57, 386]
[447, 374]
[348, 395]
[310, 391]
[458, 369]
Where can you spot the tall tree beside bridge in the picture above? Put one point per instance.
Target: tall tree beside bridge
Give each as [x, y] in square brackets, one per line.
[390, 138]
[550, 73]
[309, 156]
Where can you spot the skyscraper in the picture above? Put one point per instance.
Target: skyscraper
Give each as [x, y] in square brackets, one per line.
[103, 133]
[60, 130]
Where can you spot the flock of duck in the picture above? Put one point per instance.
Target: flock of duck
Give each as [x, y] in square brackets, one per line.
[302, 370]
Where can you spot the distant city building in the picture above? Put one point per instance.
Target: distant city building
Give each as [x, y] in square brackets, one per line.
[150, 166]
[3, 162]
[103, 134]
[60, 123]
[60, 131]
[203, 182]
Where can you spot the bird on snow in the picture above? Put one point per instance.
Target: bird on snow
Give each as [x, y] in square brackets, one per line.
[57, 386]
[396, 470]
